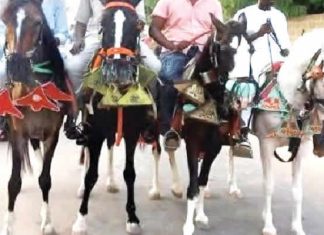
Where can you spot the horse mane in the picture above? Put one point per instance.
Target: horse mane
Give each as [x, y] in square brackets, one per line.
[290, 74]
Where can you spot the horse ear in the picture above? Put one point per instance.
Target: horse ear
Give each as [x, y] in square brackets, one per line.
[243, 22]
[218, 24]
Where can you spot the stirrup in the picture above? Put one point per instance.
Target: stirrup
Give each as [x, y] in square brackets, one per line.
[75, 132]
[243, 149]
[171, 141]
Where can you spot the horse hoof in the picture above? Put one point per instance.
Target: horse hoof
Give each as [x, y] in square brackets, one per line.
[133, 228]
[297, 230]
[269, 231]
[202, 221]
[188, 229]
[112, 188]
[235, 193]
[79, 227]
[177, 191]
[80, 193]
[154, 194]
[48, 229]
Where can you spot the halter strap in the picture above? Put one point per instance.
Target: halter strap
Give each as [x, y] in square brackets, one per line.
[120, 4]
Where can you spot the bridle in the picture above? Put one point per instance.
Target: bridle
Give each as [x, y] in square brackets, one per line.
[118, 50]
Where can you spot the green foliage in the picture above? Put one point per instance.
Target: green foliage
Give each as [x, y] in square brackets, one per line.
[289, 7]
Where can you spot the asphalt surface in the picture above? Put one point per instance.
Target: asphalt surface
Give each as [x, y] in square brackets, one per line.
[227, 216]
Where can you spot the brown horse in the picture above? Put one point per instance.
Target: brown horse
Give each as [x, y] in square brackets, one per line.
[35, 71]
[203, 132]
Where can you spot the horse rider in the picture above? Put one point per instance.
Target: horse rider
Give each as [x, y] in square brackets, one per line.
[56, 19]
[87, 42]
[179, 27]
[267, 41]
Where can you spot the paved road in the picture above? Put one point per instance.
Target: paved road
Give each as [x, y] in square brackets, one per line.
[227, 216]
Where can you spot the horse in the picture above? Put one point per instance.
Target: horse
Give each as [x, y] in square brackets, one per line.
[205, 137]
[37, 84]
[299, 83]
[119, 63]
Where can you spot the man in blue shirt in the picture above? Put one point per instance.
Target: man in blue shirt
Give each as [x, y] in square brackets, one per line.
[54, 11]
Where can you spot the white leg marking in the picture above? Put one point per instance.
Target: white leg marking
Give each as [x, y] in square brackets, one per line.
[154, 193]
[80, 225]
[111, 182]
[46, 225]
[188, 227]
[176, 187]
[201, 218]
[38, 165]
[8, 224]
[232, 181]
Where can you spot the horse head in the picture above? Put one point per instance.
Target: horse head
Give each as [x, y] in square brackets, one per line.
[121, 29]
[29, 41]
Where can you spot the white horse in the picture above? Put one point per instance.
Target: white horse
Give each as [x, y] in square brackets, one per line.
[289, 80]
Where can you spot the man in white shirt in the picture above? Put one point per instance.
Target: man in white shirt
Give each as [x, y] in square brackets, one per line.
[267, 35]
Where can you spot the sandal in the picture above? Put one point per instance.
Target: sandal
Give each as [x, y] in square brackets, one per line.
[172, 140]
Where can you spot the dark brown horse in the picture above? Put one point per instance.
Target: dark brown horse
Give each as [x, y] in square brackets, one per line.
[205, 137]
[118, 63]
[35, 71]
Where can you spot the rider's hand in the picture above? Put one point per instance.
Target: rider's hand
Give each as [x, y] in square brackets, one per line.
[284, 52]
[182, 45]
[264, 29]
[77, 47]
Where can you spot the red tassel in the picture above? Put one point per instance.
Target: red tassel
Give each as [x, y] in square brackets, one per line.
[7, 106]
[55, 93]
[37, 100]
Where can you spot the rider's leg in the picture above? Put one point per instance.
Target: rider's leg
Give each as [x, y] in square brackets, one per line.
[172, 68]
[76, 66]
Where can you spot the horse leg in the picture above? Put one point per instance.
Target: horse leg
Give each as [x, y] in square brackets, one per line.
[14, 185]
[232, 182]
[91, 177]
[35, 143]
[45, 183]
[85, 166]
[111, 182]
[297, 188]
[154, 193]
[176, 187]
[133, 223]
[192, 191]
[267, 147]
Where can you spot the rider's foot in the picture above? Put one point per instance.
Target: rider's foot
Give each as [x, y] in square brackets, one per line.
[76, 132]
[172, 140]
[243, 147]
